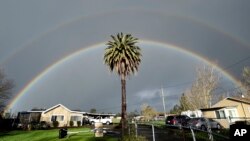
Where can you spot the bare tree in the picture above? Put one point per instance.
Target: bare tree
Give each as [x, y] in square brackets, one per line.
[5, 90]
[200, 95]
[185, 103]
[175, 110]
[217, 98]
[148, 112]
[193, 100]
[246, 81]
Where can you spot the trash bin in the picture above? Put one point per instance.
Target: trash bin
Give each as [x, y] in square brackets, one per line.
[63, 133]
[98, 129]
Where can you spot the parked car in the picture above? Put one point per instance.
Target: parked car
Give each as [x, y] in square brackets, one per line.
[104, 120]
[203, 123]
[214, 124]
[177, 120]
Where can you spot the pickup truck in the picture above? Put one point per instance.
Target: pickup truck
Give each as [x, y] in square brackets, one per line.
[105, 120]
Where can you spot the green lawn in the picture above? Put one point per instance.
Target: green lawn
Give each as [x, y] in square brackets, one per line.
[51, 135]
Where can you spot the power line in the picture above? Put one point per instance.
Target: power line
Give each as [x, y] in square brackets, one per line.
[229, 90]
[226, 68]
[139, 103]
[187, 83]
[236, 63]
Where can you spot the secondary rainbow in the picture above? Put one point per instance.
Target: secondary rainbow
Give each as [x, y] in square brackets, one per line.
[53, 66]
[157, 12]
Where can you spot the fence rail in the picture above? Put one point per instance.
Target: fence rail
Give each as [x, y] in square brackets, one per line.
[156, 132]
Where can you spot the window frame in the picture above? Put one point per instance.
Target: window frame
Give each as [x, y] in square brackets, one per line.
[218, 114]
[56, 119]
[79, 118]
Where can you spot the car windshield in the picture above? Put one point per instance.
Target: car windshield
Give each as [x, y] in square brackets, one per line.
[170, 117]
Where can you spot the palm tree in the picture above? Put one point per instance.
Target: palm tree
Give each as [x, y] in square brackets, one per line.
[123, 57]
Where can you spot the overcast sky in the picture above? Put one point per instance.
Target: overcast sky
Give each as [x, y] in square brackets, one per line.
[34, 35]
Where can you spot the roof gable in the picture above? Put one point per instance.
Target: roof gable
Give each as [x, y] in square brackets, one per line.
[244, 100]
[238, 100]
[58, 105]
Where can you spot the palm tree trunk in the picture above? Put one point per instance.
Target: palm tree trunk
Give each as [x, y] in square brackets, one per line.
[124, 106]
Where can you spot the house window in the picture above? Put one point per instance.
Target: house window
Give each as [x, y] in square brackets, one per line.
[75, 118]
[232, 113]
[57, 118]
[220, 114]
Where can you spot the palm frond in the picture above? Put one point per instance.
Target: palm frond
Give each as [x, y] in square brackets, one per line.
[122, 55]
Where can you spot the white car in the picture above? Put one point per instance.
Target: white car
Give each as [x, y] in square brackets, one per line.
[105, 120]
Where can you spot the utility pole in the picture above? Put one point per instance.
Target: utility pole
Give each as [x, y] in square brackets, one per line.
[163, 101]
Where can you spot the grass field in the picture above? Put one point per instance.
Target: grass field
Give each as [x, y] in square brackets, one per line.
[51, 135]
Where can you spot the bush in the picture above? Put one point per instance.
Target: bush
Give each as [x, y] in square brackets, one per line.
[71, 123]
[34, 125]
[78, 123]
[55, 124]
[85, 121]
[44, 125]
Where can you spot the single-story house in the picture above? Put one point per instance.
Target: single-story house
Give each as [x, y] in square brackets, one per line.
[229, 110]
[61, 114]
[58, 113]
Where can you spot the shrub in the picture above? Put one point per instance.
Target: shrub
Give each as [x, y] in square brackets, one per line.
[44, 125]
[78, 123]
[85, 121]
[34, 125]
[55, 124]
[71, 123]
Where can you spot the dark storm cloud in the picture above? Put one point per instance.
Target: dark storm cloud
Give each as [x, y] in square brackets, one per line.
[43, 32]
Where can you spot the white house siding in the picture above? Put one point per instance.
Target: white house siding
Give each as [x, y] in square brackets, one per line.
[60, 110]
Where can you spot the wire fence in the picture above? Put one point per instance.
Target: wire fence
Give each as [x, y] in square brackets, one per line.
[156, 132]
